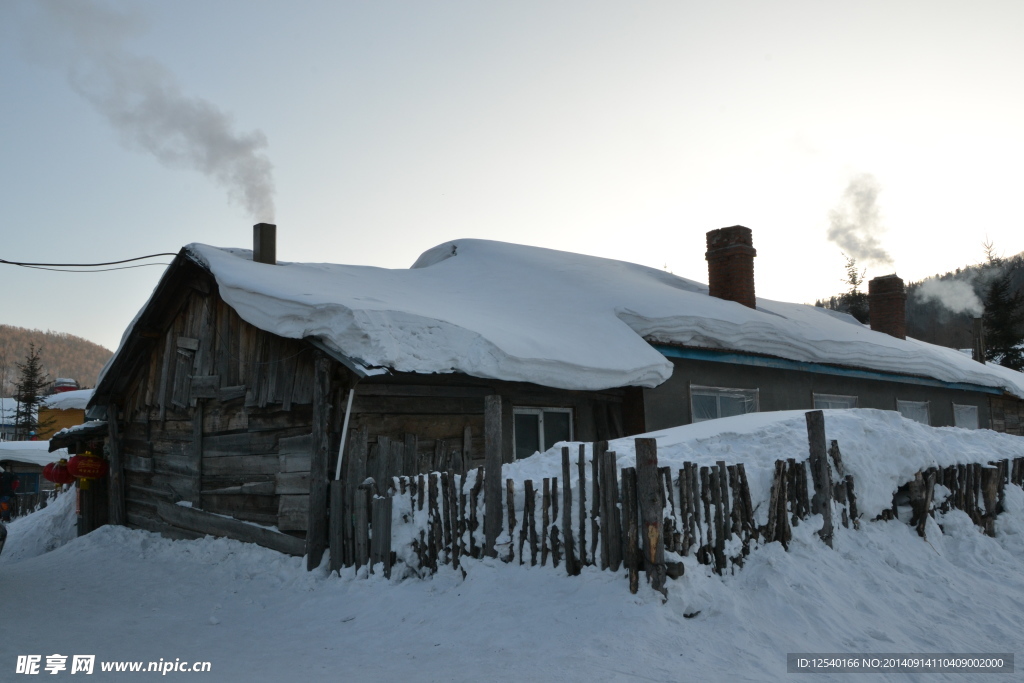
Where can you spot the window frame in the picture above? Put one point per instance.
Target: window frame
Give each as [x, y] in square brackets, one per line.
[815, 397]
[977, 415]
[927, 407]
[718, 392]
[539, 412]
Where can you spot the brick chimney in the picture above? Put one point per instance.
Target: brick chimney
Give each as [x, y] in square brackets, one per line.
[887, 306]
[730, 259]
[264, 243]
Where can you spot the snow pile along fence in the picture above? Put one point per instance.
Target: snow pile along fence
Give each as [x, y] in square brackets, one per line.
[597, 514]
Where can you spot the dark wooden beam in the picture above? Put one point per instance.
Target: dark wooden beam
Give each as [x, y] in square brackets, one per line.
[317, 528]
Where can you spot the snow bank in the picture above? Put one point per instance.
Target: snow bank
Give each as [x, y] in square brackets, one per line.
[42, 531]
[880, 448]
[258, 615]
[519, 313]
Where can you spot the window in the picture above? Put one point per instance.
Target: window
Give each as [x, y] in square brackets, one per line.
[965, 416]
[914, 410]
[834, 402]
[709, 403]
[538, 429]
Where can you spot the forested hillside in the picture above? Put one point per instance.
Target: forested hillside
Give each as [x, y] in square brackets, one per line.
[63, 355]
[941, 309]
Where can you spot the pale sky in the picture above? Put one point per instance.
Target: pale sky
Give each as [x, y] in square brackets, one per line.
[619, 129]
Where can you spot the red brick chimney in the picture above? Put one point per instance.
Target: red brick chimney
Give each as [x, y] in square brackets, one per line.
[264, 243]
[730, 259]
[887, 306]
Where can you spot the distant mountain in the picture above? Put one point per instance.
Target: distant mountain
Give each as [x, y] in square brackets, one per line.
[63, 355]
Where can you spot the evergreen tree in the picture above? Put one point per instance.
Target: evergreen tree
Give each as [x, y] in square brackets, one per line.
[854, 302]
[1004, 322]
[28, 391]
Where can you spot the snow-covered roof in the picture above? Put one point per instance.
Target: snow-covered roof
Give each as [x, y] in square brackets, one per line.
[68, 400]
[31, 452]
[520, 313]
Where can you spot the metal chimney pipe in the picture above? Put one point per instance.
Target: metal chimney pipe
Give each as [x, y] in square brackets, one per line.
[264, 243]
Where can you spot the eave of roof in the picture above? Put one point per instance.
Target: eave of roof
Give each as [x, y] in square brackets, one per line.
[749, 359]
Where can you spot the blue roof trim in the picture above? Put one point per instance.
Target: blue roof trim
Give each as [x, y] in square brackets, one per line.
[783, 364]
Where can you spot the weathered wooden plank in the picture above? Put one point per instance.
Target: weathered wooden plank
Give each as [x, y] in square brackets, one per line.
[196, 456]
[291, 483]
[205, 387]
[492, 470]
[115, 491]
[335, 532]
[188, 343]
[630, 529]
[241, 464]
[611, 525]
[821, 473]
[250, 508]
[572, 565]
[254, 488]
[164, 379]
[427, 391]
[232, 393]
[244, 443]
[380, 547]
[294, 462]
[316, 531]
[581, 463]
[296, 445]
[545, 504]
[648, 496]
[215, 525]
[293, 513]
[392, 405]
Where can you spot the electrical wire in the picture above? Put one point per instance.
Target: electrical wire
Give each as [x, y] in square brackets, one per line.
[83, 265]
[94, 270]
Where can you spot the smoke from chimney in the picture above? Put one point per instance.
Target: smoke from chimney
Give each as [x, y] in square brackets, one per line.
[956, 296]
[144, 102]
[855, 224]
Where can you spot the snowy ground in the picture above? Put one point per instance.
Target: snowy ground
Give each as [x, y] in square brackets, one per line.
[257, 615]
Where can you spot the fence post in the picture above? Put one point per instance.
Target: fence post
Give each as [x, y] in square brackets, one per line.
[492, 476]
[821, 473]
[651, 512]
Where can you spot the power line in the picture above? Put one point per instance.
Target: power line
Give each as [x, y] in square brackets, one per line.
[84, 265]
[94, 270]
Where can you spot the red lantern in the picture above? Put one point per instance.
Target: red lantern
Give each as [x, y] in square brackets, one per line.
[87, 466]
[58, 473]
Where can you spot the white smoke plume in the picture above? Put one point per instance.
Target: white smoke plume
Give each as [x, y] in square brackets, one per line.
[956, 295]
[143, 101]
[855, 224]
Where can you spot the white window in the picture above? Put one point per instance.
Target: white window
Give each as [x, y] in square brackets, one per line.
[538, 429]
[965, 416]
[915, 410]
[709, 403]
[834, 402]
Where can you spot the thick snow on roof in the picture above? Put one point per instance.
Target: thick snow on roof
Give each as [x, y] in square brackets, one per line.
[31, 452]
[520, 313]
[68, 400]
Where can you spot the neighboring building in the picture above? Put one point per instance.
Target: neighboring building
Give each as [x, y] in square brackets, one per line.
[229, 389]
[8, 413]
[26, 459]
[62, 384]
[61, 410]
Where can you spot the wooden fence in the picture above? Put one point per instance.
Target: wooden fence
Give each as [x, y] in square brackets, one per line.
[27, 503]
[641, 518]
[595, 514]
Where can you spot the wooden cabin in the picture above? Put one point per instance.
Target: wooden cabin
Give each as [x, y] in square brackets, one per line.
[217, 419]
